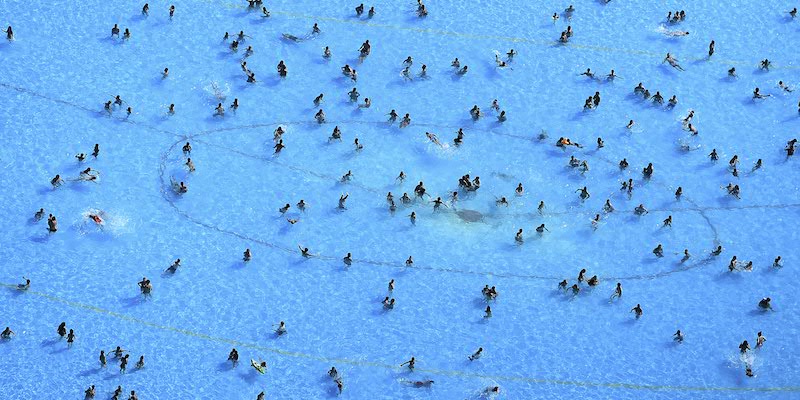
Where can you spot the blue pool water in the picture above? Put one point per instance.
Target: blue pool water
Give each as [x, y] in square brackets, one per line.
[539, 344]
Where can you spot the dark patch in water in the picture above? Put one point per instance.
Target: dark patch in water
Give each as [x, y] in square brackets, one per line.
[469, 215]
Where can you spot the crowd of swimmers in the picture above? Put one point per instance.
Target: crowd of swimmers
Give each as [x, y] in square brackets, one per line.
[465, 183]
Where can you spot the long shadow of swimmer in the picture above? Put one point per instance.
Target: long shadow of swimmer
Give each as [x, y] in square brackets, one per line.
[224, 366]
[133, 301]
[89, 372]
[50, 342]
[44, 238]
[251, 377]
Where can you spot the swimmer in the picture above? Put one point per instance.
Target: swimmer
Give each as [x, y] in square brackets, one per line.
[637, 310]
[541, 207]
[279, 146]
[463, 70]
[676, 33]
[406, 121]
[568, 12]
[487, 313]
[501, 117]
[247, 255]
[233, 357]
[658, 98]
[641, 210]
[593, 281]
[777, 263]
[413, 218]
[608, 207]
[589, 74]
[584, 193]
[348, 259]
[425, 383]
[659, 251]
[647, 171]
[757, 94]
[765, 64]
[342, 199]
[760, 339]
[140, 363]
[174, 267]
[678, 336]
[475, 112]
[70, 338]
[7, 333]
[501, 202]
[281, 330]
[114, 31]
[765, 304]
[476, 355]
[388, 304]
[346, 177]
[118, 352]
[411, 363]
[391, 286]
[89, 393]
[563, 285]
[744, 347]
[438, 203]
[127, 34]
[405, 198]
[541, 229]
[617, 292]
[688, 117]
[190, 164]
[672, 61]
[686, 255]
[575, 290]
[304, 251]
[581, 275]
[52, 224]
[519, 190]
[785, 87]
[518, 237]
[459, 137]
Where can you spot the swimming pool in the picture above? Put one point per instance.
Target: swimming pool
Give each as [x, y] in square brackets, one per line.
[539, 342]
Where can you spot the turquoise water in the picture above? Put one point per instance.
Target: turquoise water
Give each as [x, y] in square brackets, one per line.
[539, 343]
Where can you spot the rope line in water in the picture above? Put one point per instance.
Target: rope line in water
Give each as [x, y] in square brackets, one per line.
[510, 39]
[168, 195]
[383, 365]
[84, 108]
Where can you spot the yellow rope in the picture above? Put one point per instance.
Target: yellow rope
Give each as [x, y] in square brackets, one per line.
[364, 363]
